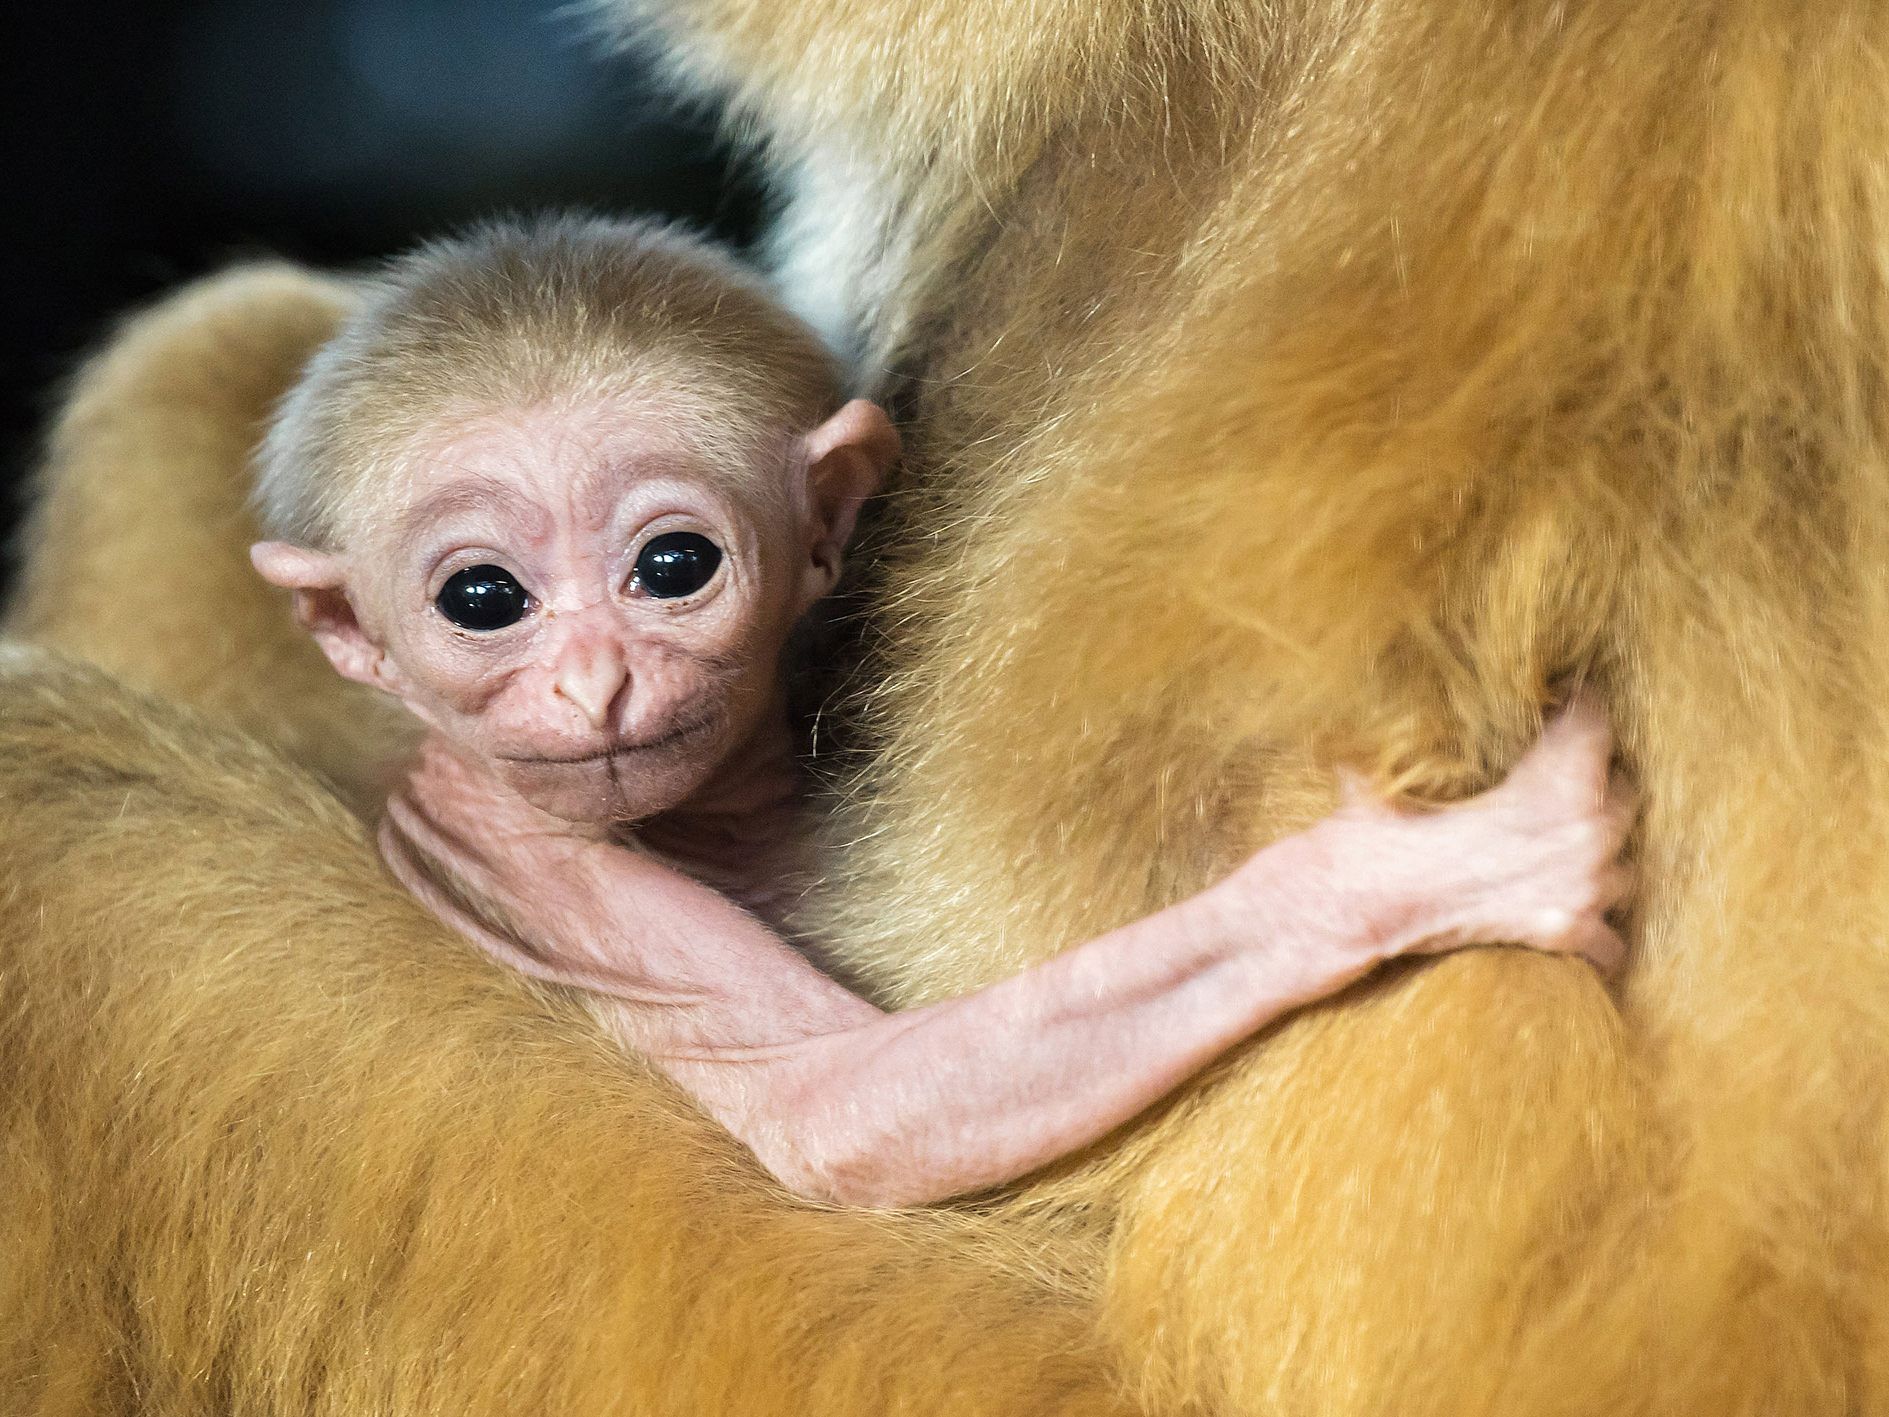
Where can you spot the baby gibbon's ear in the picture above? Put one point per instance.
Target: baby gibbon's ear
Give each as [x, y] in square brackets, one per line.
[296, 567]
[318, 581]
[847, 457]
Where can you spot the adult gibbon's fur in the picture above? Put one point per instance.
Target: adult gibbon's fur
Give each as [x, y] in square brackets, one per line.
[139, 551]
[1287, 383]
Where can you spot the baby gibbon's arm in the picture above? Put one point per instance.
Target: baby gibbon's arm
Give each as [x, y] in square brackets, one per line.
[846, 1103]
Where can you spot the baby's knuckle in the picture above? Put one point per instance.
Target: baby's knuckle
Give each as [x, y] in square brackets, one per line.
[1553, 921]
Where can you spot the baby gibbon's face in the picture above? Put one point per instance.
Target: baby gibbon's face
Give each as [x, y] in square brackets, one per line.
[576, 598]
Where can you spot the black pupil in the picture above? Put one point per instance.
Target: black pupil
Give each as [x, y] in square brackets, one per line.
[675, 564]
[483, 598]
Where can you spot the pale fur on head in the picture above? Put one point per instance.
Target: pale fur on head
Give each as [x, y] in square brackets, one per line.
[520, 312]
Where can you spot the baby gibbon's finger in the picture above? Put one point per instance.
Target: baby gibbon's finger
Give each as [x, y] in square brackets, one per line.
[1570, 761]
[1597, 942]
[1622, 807]
[1355, 793]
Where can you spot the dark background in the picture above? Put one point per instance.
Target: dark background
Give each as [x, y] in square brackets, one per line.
[148, 142]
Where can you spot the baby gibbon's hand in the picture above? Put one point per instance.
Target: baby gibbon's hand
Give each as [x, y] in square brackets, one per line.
[1535, 861]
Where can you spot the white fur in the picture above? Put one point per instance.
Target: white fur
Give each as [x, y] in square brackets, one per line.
[840, 255]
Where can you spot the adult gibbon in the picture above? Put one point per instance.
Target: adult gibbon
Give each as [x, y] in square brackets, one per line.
[1286, 385]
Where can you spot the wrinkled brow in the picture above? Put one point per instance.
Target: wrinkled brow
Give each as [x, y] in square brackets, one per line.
[468, 494]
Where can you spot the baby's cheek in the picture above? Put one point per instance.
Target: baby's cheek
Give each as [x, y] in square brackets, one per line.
[445, 686]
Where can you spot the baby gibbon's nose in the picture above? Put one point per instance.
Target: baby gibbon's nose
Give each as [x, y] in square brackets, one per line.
[592, 676]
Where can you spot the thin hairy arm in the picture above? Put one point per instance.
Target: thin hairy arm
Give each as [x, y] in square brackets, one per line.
[845, 1102]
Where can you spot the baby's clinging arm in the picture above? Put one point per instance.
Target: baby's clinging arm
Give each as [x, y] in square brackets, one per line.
[846, 1103]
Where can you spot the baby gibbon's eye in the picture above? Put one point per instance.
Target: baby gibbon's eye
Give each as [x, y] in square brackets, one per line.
[675, 564]
[483, 598]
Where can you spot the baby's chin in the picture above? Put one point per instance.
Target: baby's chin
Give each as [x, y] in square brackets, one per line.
[626, 786]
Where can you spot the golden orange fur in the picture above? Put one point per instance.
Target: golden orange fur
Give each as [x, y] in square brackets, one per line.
[415, 1187]
[1287, 383]
[140, 536]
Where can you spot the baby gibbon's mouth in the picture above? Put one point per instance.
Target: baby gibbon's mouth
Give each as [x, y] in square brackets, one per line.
[668, 738]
